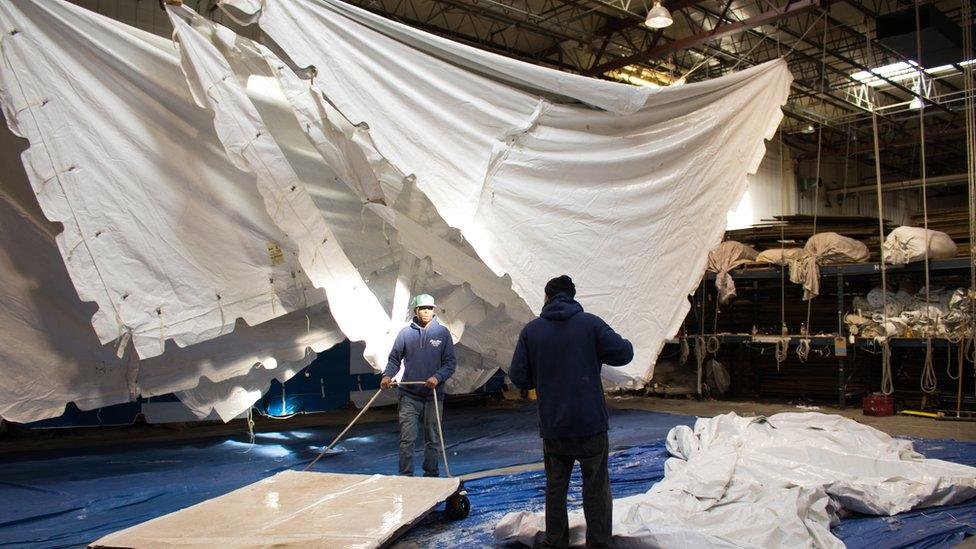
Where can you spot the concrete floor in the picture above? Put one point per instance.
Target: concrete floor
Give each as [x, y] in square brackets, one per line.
[94, 437]
[896, 425]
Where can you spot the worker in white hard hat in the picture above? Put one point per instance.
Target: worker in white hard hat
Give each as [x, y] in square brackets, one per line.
[426, 351]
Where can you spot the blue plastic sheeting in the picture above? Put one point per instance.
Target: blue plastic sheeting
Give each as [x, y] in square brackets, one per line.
[67, 500]
[937, 527]
[635, 470]
[61, 499]
[479, 440]
[632, 472]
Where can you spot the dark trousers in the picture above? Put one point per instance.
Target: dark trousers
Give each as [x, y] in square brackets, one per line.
[591, 453]
[417, 414]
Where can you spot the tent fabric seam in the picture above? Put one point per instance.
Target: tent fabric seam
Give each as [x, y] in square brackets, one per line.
[38, 144]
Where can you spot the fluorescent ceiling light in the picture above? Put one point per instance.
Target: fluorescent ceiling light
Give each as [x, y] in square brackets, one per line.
[898, 72]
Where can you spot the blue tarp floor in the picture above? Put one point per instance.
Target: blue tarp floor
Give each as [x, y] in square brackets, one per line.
[59, 499]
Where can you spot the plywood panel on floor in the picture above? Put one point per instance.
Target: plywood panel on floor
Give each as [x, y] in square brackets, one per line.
[295, 509]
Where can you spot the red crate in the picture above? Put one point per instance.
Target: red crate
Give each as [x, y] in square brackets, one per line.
[878, 405]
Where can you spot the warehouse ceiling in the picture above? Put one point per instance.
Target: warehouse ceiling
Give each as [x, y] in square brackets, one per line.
[826, 45]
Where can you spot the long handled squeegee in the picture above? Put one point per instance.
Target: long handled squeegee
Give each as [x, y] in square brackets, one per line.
[457, 506]
[437, 414]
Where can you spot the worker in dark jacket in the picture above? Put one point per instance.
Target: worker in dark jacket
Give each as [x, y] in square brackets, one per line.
[560, 355]
[426, 350]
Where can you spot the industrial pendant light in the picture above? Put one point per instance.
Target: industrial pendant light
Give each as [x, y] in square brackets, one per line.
[659, 16]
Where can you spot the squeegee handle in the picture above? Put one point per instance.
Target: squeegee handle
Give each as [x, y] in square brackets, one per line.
[440, 435]
[346, 430]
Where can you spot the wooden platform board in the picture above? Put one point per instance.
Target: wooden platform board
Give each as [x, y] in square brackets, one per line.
[295, 509]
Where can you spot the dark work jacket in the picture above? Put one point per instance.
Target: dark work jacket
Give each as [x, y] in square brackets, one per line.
[560, 355]
[425, 352]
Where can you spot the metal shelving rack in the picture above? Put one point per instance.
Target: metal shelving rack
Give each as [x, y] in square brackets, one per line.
[839, 272]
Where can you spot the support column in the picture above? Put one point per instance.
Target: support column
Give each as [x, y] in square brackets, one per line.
[840, 333]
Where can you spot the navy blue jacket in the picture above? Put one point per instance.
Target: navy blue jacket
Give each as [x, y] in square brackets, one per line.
[426, 352]
[560, 355]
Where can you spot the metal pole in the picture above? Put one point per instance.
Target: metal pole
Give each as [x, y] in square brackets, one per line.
[840, 333]
[440, 435]
[962, 359]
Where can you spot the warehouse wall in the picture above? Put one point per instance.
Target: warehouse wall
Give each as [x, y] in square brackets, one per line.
[771, 192]
[898, 205]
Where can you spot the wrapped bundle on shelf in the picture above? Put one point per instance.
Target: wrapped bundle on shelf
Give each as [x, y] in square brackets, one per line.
[834, 248]
[727, 256]
[907, 244]
[822, 249]
[780, 256]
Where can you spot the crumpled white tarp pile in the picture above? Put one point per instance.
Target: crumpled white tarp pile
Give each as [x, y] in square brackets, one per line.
[201, 181]
[781, 481]
[942, 313]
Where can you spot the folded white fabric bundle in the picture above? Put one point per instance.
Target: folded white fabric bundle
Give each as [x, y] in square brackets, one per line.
[781, 481]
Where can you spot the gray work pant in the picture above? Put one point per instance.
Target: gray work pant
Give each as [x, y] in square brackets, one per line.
[416, 412]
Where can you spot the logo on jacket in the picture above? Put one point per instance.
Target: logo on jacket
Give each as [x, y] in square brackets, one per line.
[435, 342]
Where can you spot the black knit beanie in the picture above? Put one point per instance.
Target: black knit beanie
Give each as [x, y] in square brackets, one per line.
[561, 285]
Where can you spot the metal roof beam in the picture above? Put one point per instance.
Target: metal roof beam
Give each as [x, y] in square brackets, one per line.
[766, 18]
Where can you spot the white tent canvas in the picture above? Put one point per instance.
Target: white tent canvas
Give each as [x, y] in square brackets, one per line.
[545, 172]
[202, 181]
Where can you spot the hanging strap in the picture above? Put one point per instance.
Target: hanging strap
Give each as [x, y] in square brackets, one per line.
[887, 385]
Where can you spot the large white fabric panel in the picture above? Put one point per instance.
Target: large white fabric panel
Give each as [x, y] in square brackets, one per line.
[182, 214]
[611, 96]
[49, 354]
[160, 230]
[627, 205]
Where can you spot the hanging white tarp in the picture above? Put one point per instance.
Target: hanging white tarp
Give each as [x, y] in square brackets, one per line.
[157, 224]
[161, 231]
[627, 200]
[184, 216]
[780, 481]
[51, 356]
[410, 164]
[217, 60]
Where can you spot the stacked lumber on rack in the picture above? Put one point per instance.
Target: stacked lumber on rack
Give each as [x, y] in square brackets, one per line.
[952, 221]
[798, 228]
